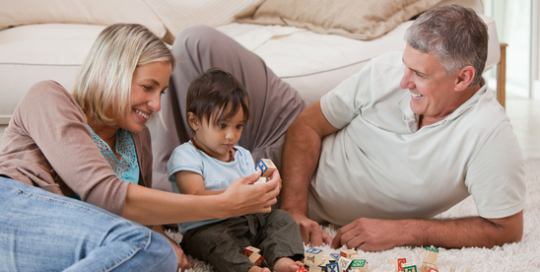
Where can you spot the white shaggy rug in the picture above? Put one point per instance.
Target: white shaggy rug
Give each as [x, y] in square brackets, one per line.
[522, 256]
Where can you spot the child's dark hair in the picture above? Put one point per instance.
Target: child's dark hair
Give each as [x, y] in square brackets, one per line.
[210, 94]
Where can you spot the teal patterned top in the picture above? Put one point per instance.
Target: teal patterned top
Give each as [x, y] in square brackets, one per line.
[127, 168]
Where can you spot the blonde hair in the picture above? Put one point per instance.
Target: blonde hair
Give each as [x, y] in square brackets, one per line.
[103, 83]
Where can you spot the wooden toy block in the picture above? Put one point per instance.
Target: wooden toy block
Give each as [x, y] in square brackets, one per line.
[250, 249]
[409, 267]
[266, 166]
[359, 265]
[314, 256]
[257, 259]
[344, 263]
[347, 253]
[427, 267]
[262, 180]
[332, 267]
[400, 263]
[336, 256]
[430, 257]
[394, 263]
[303, 269]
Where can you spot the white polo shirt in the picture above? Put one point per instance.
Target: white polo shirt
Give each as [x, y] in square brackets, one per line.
[379, 165]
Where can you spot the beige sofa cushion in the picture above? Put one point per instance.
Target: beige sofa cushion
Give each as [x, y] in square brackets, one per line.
[363, 20]
[179, 14]
[32, 53]
[97, 12]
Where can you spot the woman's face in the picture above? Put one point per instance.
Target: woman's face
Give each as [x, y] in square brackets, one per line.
[148, 84]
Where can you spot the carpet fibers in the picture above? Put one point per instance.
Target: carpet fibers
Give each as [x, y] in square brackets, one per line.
[522, 256]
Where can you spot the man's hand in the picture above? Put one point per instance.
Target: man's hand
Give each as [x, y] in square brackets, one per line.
[378, 234]
[368, 235]
[311, 232]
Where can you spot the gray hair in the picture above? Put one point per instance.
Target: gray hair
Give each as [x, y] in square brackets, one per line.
[455, 34]
[103, 83]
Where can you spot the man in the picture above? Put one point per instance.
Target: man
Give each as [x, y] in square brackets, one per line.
[380, 156]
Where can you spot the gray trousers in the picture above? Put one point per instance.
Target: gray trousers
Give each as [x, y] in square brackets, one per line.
[222, 244]
[273, 103]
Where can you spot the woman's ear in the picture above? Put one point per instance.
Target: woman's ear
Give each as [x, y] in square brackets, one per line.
[193, 121]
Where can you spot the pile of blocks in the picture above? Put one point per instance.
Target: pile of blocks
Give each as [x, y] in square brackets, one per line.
[346, 260]
[349, 260]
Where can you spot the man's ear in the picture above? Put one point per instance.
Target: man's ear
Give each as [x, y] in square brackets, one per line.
[464, 78]
[192, 120]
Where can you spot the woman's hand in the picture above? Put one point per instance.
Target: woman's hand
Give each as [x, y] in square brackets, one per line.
[183, 262]
[244, 197]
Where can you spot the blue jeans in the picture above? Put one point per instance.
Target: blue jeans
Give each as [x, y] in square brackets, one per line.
[41, 231]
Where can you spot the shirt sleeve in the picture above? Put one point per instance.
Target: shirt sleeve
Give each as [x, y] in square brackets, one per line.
[346, 101]
[496, 175]
[184, 158]
[55, 122]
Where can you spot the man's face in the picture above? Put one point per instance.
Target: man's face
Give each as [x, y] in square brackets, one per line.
[432, 91]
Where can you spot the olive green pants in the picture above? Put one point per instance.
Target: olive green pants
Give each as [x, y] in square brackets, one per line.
[222, 244]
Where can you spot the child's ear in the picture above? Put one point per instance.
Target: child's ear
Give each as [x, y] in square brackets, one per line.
[193, 122]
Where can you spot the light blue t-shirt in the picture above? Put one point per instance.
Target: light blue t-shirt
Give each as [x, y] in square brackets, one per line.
[217, 175]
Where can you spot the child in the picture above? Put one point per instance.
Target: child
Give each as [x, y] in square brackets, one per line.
[217, 109]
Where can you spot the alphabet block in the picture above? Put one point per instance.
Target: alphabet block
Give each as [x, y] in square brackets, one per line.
[266, 166]
[347, 253]
[409, 267]
[250, 249]
[400, 263]
[314, 256]
[344, 263]
[332, 267]
[359, 265]
[430, 256]
[335, 256]
[257, 259]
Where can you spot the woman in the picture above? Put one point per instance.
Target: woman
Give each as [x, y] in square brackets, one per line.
[94, 145]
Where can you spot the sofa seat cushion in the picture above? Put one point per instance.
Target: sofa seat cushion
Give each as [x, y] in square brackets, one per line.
[32, 53]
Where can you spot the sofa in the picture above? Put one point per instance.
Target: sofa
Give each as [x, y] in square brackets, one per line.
[48, 40]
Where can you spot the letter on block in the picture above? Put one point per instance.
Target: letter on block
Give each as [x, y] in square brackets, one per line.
[335, 256]
[433, 270]
[344, 263]
[400, 263]
[332, 267]
[409, 267]
[267, 167]
[359, 265]
[314, 257]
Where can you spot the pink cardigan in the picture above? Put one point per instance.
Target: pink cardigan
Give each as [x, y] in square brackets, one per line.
[47, 144]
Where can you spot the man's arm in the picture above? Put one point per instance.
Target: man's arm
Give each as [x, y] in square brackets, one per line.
[300, 157]
[375, 234]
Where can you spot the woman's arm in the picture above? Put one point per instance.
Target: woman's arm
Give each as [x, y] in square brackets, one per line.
[152, 207]
[192, 183]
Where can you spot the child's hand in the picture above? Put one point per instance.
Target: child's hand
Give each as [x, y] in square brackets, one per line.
[243, 197]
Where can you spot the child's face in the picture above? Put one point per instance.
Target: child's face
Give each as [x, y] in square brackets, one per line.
[218, 138]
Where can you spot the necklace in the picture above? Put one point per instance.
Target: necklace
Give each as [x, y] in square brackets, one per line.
[231, 155]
